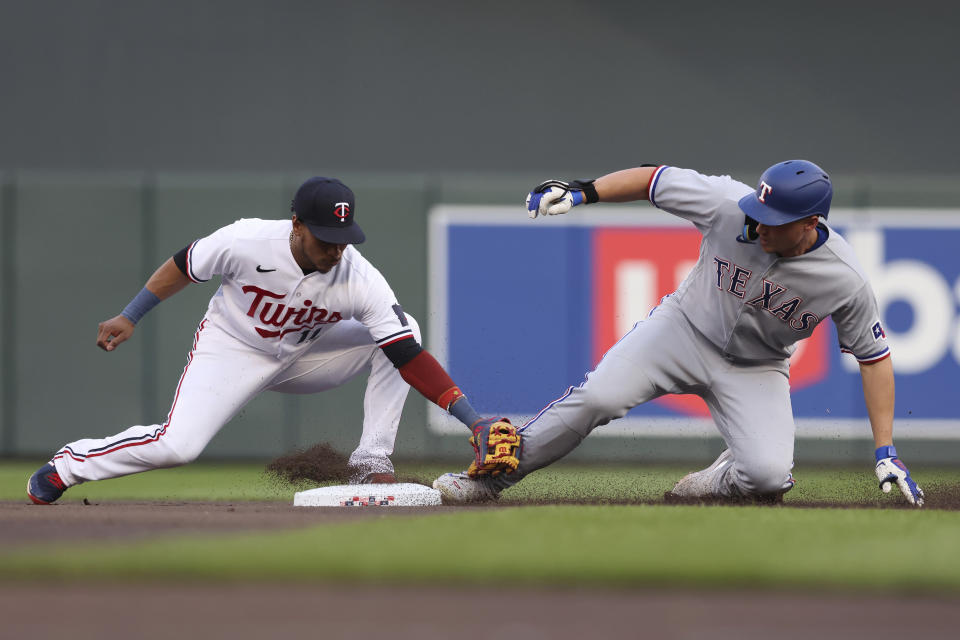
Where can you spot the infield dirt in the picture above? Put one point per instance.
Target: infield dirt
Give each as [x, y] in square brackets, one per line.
[28, 523]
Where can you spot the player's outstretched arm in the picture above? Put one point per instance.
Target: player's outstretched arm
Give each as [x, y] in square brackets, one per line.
[553, 197]
[878, 392]
[628, 185]
[496, 443]
[165, 281]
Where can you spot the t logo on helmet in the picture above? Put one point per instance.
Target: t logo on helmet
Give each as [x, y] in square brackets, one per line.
[341, 210]
[764, 190]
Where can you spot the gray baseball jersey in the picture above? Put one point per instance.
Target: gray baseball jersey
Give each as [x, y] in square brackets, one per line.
[725, 335]
[754, 305]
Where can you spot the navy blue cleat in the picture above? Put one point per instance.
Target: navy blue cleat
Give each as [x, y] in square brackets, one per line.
[45, 485]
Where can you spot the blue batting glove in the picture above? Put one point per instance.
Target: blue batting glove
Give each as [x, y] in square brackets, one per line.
[553, 197]
[891, 469]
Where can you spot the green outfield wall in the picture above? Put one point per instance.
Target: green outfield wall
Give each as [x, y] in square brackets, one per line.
[75, 247]
[131, 128]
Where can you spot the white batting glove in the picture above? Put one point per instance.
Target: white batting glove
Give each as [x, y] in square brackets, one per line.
[554, 197]
[890, 470]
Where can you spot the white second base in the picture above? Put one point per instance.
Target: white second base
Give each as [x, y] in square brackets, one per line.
[401, 494]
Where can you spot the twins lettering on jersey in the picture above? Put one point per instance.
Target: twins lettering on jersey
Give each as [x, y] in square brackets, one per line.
[274, 314]
[733, 279]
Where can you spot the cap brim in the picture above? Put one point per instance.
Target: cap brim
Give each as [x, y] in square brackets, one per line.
[764, 214]
[350, 234]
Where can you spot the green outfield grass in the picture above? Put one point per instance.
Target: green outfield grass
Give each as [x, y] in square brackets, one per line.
[558, 545]
[202, 481]
[242, 482]
[880, 549]
[561, 482]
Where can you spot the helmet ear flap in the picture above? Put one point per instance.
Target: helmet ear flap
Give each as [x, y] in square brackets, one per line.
[750, 229]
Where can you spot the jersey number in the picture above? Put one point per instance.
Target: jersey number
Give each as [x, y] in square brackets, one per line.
[309, 334]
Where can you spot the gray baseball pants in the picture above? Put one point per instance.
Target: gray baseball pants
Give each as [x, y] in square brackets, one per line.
[663, 354]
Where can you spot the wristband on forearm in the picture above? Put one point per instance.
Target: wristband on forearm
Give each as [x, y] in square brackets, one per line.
[141, 303]
[888, 451]
[462, 411]
[589, 191]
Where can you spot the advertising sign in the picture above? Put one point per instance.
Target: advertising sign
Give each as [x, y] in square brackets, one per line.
[521, 309]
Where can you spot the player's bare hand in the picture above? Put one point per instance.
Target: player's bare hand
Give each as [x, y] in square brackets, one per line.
[112, 332]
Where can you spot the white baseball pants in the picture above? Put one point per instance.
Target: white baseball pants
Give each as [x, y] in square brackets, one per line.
[222, 375]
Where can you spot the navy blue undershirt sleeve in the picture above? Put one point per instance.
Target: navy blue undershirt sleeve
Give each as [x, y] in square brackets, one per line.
[180, 259]
[402, 351]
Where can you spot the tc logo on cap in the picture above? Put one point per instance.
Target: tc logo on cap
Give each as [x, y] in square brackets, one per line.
[326, 205]
[764, 190]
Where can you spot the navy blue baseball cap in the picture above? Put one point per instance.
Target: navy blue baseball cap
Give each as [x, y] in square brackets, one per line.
[789, 191]
[326, 206]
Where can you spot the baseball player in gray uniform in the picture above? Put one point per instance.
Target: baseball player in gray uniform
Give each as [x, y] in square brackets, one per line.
[298, 310]
[770, 269]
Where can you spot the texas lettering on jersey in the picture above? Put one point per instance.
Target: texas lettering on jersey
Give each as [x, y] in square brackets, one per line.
[746, 285]
[274, 314]
[733, 279]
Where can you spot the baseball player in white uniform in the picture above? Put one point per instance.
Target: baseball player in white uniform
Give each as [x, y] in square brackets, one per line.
[298, 310]
[770, 269]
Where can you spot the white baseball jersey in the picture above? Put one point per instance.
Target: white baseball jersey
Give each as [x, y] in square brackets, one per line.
[266, 301]
[269, 327]
[754, 305]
